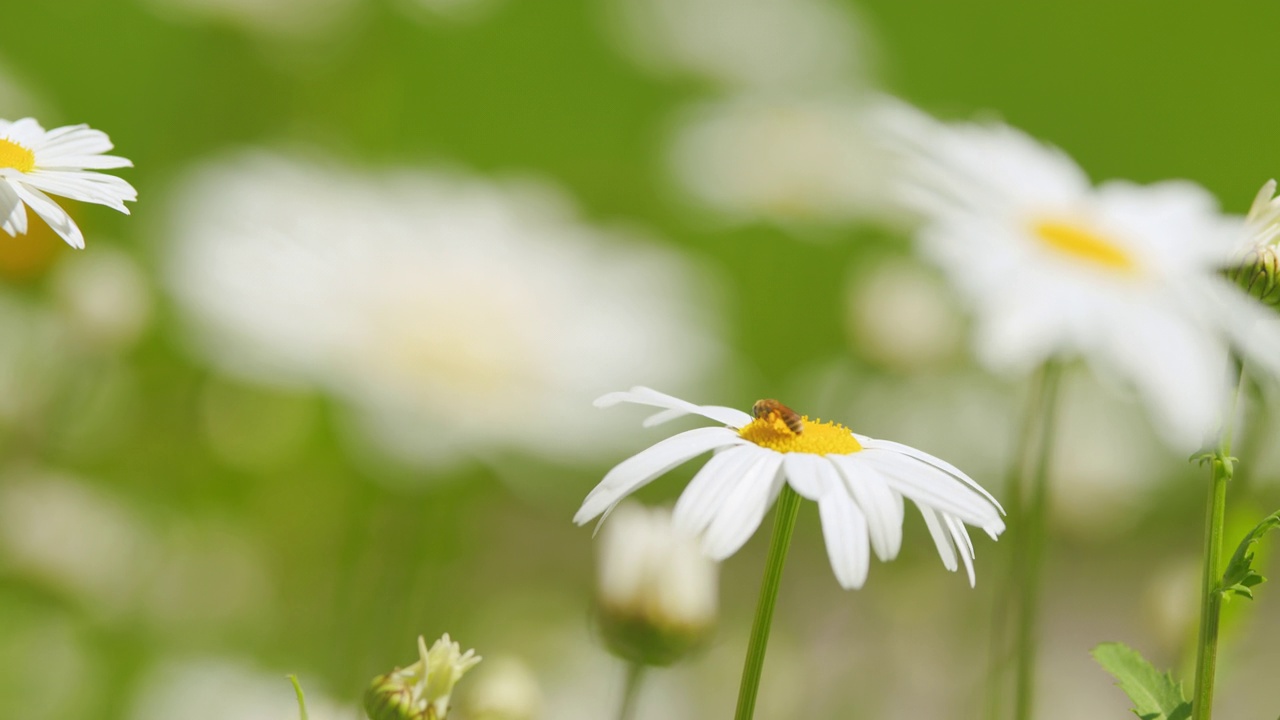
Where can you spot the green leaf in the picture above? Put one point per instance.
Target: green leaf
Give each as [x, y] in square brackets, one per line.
[1240, 577]
[1155, 695]
[302, 702]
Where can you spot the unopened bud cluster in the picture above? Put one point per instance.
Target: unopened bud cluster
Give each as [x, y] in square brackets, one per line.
[657, 591]
[420, 691]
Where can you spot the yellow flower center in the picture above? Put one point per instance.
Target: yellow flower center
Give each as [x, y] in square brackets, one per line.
[818, 438]
[1083, 244]
[13, 155]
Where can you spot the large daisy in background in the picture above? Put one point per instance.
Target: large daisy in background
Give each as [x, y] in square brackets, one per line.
[35, 163]
[454, 316]
[858, 482]
[1123, 275]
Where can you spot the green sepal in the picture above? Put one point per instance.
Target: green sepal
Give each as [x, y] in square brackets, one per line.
[1155, 695]
[1240, 577]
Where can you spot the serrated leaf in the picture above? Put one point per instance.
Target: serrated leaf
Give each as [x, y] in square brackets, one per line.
[1240, 577]
[1155, 695]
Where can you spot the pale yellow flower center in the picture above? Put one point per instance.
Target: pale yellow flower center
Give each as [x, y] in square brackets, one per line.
[13, 155]
[817, 437]
[1083, 244]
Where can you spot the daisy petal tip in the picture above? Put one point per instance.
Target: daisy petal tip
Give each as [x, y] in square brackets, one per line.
[608, 400]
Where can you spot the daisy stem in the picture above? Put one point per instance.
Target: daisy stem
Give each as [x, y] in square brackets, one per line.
[1033, 512]
[1223, 467]
[631, 691]
[998, 653]
[784, 522]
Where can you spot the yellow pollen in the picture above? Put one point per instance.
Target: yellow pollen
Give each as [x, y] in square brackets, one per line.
[819, 438]
[1083, 244]
[13, 155]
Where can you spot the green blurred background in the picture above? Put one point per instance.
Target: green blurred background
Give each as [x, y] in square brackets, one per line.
[175, 539]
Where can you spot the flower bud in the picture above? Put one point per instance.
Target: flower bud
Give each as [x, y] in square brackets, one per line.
[657, 591]
[1257, 266]
[420, 691]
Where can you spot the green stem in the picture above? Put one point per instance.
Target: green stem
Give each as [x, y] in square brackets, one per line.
[1030, 550]
[631, 691]
[784, 522]
[998, 651]
[1211, 580]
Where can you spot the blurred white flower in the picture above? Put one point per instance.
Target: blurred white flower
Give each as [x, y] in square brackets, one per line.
[17, 96]
[456, 316]
[1123, 275]
[766, 45]
[33, 358]
[456, 11]
[658, 592]
[289, 18]
[104, 298]
[901, 316]
[223, 688]
[65, 533]
[72, 537]
[782, 158]
[1101, 493]
[504, 688]
[858, 482]
[61, 161]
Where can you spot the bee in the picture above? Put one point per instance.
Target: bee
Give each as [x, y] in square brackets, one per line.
[764, 408]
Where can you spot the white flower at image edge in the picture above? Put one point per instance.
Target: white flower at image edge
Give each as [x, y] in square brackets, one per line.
[35, 163]
[1126, 276]
[858, 482]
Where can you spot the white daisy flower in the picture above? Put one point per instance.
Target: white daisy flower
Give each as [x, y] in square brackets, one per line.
[1126, 276]
[858, 482]
[61, 161]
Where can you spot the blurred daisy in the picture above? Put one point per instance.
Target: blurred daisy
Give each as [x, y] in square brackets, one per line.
[811, 159]
[858, 482]
[455, 317]
[61, 161]
[1121, 274]
[754, 45]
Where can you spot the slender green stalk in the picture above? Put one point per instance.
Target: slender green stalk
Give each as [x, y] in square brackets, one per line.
[784, 522]
[302, 701]
[1003, 606]
[631, 691]
[1222, 467]
[1029, 551]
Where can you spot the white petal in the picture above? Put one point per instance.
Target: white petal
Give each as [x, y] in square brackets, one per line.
[941, 538]
[744, 507]
[697, 504]
[53, 214]
[808, 474]
[844, 528]
[925, 457]
[675, 407]
[963, 544]
[882, 506]
[84, 186]
[927, 485]
[638, 470]
[12, 210]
